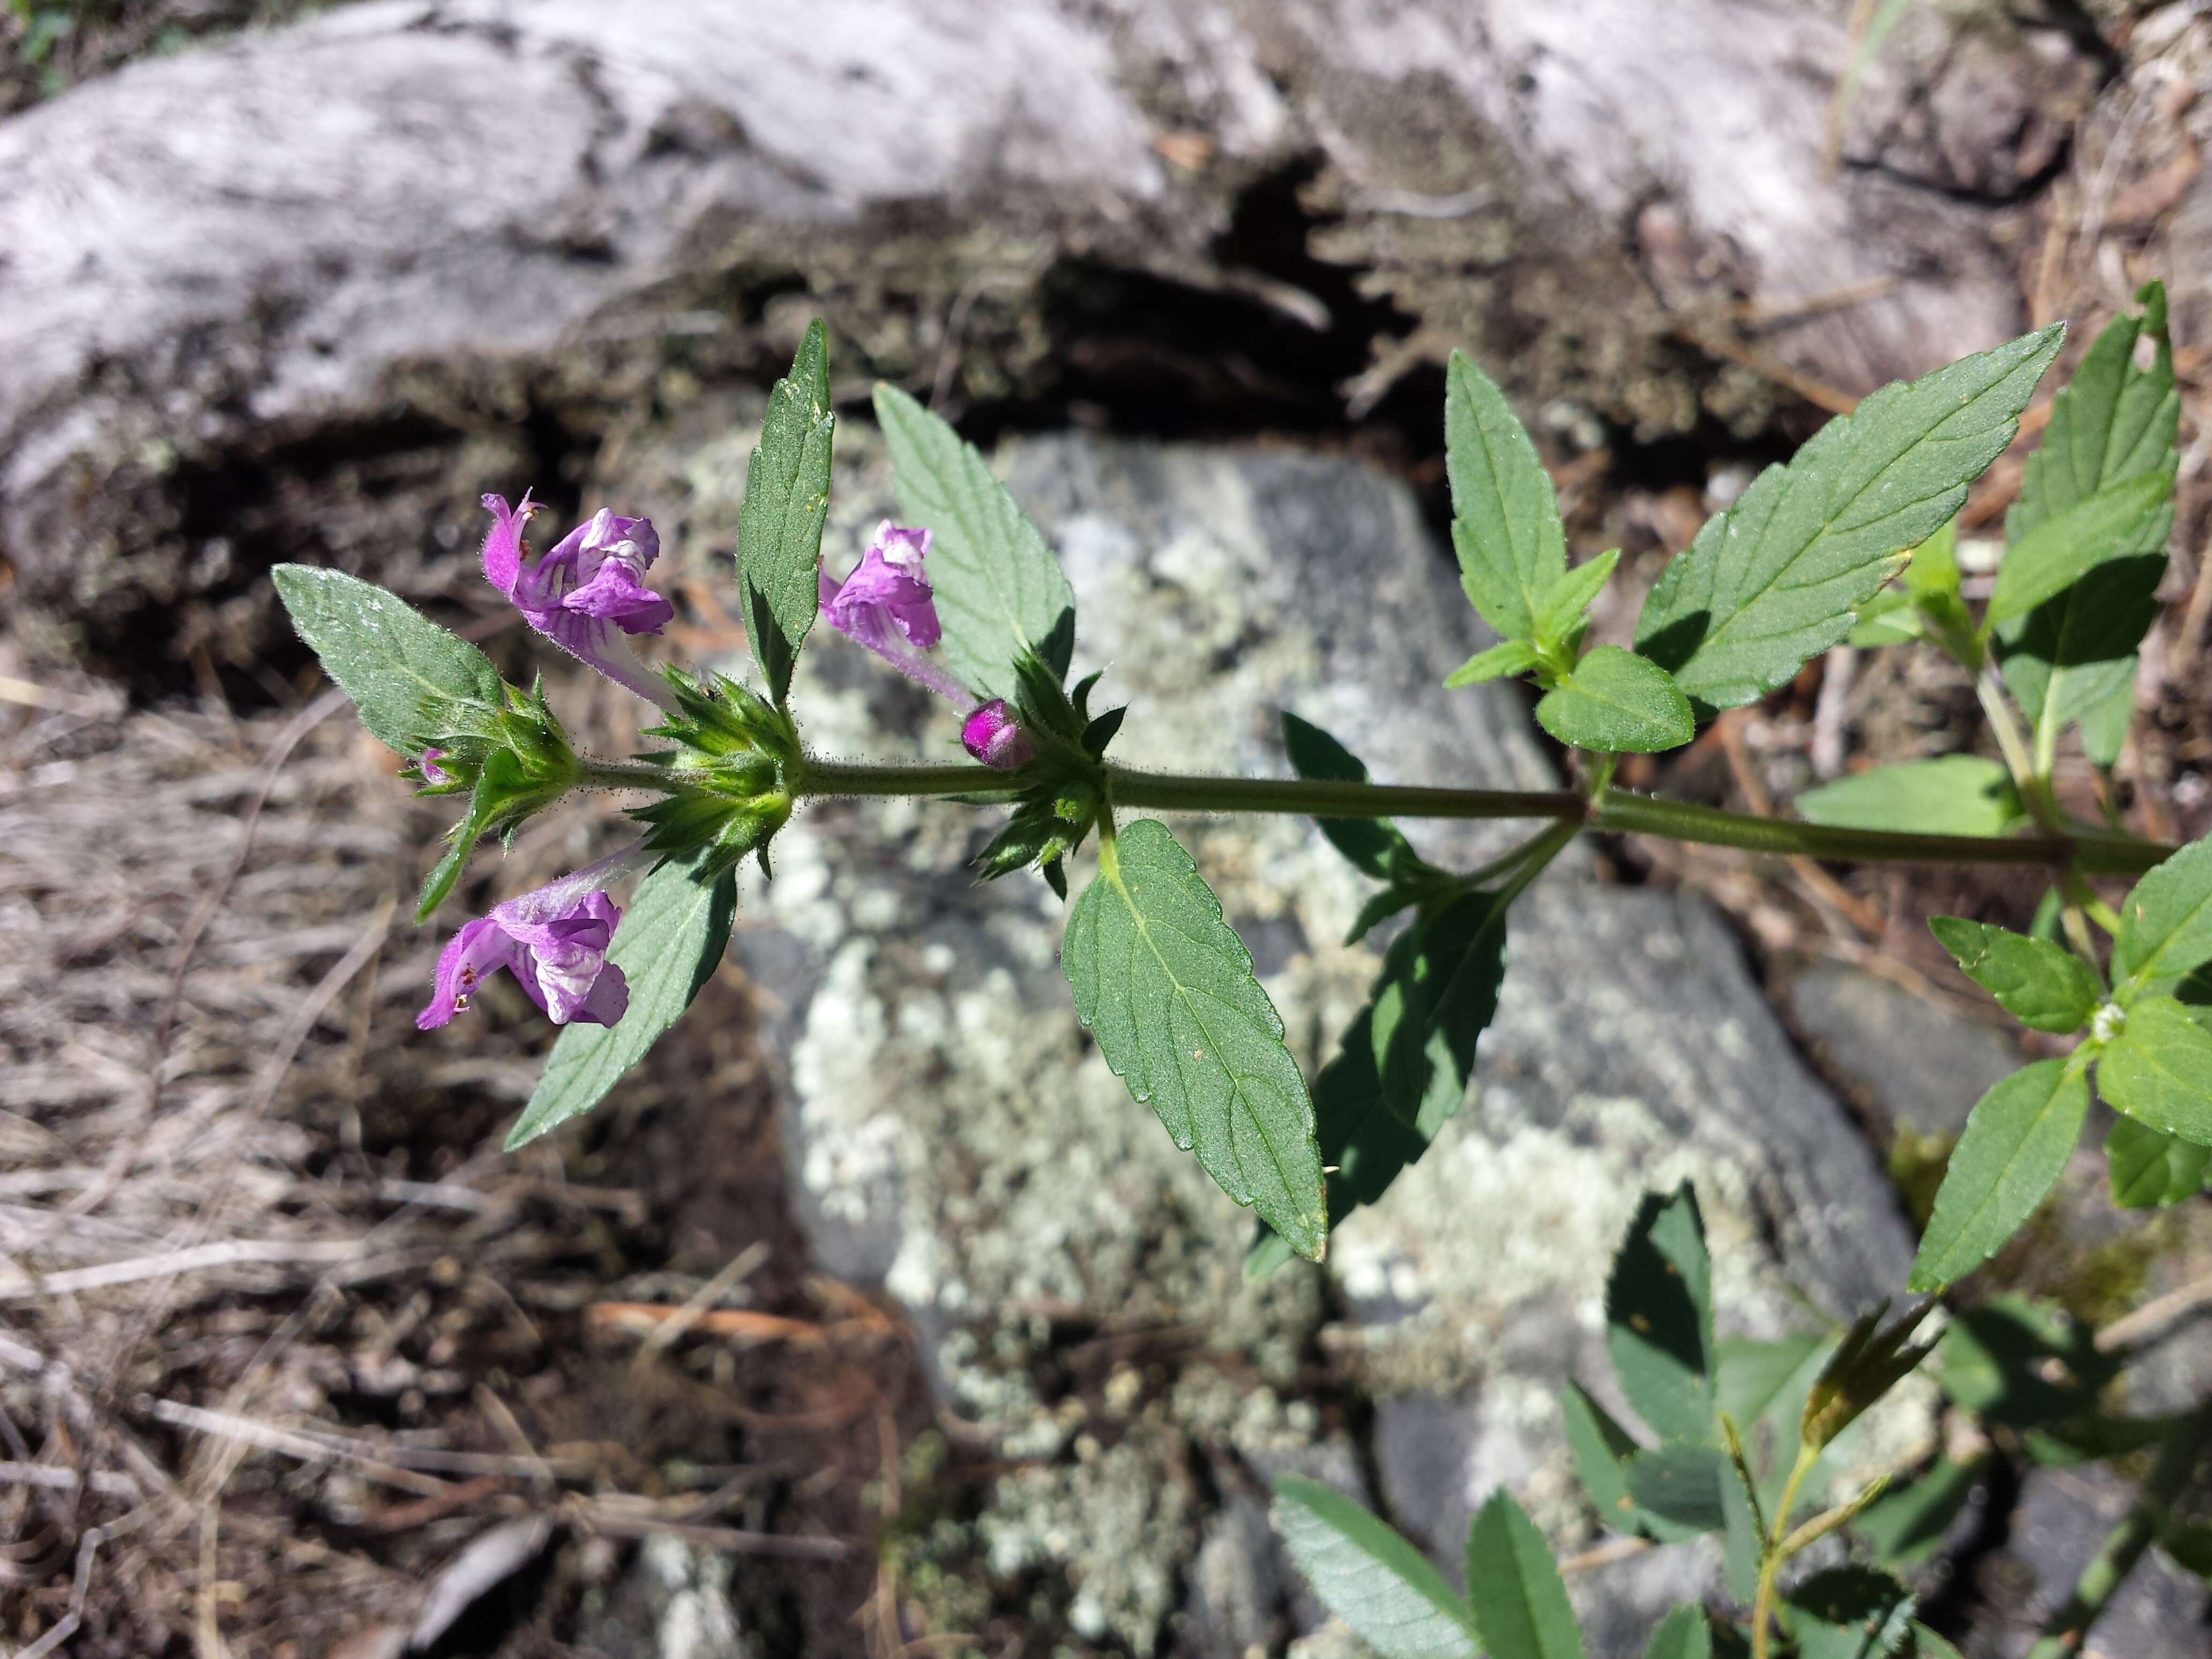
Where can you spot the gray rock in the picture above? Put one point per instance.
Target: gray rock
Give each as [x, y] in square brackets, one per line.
[1077, 1280]
[1908, 1061]
[2061, 1515]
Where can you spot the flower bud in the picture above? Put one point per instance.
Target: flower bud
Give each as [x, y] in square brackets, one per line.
[994, 737]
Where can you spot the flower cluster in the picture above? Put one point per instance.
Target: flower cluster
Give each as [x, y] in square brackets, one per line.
[586, 595]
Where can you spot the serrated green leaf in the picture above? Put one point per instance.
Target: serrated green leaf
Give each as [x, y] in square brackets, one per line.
[409, 677]
[2159, 1069]
[1514, 1588]
[1561, 609]
[2044, 985]
[1778, 578]
[2018, 1139]
[1850, 1612]
[1505, 524]
[1659, 1316]
[1955, 795]
[1682, 1634]
[998, 586]
[2074, 658]
[1906, 1522]
[2062, 548]
[1680, 1486]
[1435, 994]
[1511, 657]
[1371, 1577]
[2166, 926]
[787, 499]
[2151, 1169]
[1615, 702]
[1166, 987]
[668, 944]
[1600, 1448]
[1376, 846]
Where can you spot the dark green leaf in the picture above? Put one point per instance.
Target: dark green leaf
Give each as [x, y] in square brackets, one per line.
[1617, 703]
[1850, 1612]
[2018, 1139]
[2062, 548]
[2044, 985]
[1506, 515]
[1370, 1576]
[1166, 987]
[1601, 1448]
[1514, 1588]
[787, 499]
[1867, 1364]
[1435, 994]
[1511, 657]
[668, 944]
[1906, 1522]
[1682, 1634]
[1778, 577]
[1680, 1486]
[1659, 1316]
[998, 586]
[2073, 657]
[2191, 1546]
[2151, 1169]
[2166, 926]
[1956, 795]
[2159, 1069]
[1375, 846]
[412, 681]
[1562, 608]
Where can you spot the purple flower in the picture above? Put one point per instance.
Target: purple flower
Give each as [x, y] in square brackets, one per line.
[428, 766]
[886, 606]
[587, 591]
[554, 940]
[994, 736]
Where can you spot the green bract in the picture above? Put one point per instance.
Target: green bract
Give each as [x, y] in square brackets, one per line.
[787, 499]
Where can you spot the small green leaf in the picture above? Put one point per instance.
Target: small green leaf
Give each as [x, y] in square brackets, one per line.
[2018, 1139]
[1778, 577]
[998, 586]
[1435, 994]
[2166, 926]
[668, 944]
[1680, 1485]
[1512, 657]
[1505, 526]
[1601, 1448]
[787, 499]
[2159, 1069]
[1375, 846]
[2113, 524]
[1889, 618]
[1561, 612]
[1682, 1634]
[1867, 1364]
[2074, 658]
[1514, 1588]
[1906, 1522]
[412, 680]
[1955, 795]
[1370, 1576]
[2151, 1169]
[2044, 985]
[1166, 987]
[1617, 703]
[1659, 1316]
[1850, 1612]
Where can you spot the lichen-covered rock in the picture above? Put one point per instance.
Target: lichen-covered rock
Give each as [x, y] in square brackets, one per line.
[1076, 1280]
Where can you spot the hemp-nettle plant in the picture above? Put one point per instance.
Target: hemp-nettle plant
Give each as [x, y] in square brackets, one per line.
[1852, 539]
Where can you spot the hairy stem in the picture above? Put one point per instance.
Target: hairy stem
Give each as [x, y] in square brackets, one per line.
[2178, 1456]
[2095, 852]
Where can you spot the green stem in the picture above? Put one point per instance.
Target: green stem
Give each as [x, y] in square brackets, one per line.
[2178, 1456]
[629, 774]
[821, 777]
[1772, 1553]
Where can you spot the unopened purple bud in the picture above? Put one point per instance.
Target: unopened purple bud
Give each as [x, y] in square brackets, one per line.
[554, 940]
[886, 605]
[587, 591]
[994, 736]
[428, 766]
